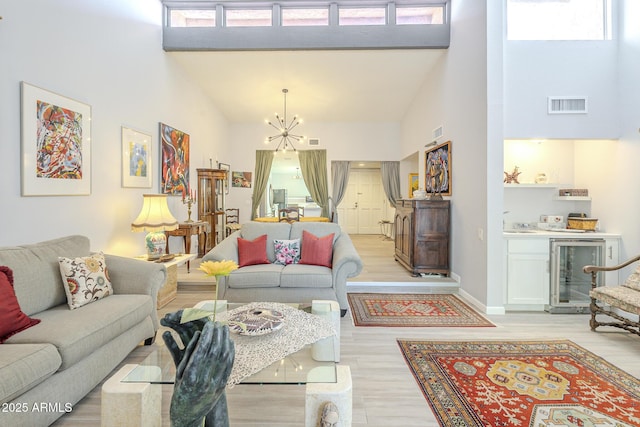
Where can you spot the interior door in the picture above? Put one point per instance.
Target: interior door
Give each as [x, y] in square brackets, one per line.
[362, 207]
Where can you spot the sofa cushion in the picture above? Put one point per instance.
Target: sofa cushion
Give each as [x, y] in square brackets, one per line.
[36, 272]
[23, 366]
[305, 276]
[316, 250]
[86, 279]
[287, 251]
[77, 333]
[252, 252]
[273, 230]
[256, 276]
[12, 318]
[320, 229]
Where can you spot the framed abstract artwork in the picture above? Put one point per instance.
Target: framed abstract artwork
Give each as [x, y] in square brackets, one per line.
[414, 184]
[438, 169]
[56, 144]
[241, 179]
[137, 163]
[174, 147]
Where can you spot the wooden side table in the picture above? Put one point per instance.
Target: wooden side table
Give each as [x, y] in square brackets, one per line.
[169, 290]
[188, 229]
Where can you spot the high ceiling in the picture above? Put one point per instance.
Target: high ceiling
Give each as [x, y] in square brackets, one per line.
[324, 86]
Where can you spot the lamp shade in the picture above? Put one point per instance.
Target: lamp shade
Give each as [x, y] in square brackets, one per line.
[154, 215]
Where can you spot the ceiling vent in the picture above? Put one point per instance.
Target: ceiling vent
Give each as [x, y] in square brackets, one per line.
[567, 105]
[314, 142]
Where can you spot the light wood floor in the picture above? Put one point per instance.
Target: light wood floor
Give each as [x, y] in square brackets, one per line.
[384, 391]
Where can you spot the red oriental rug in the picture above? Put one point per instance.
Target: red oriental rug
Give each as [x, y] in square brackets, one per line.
[412, 310]
[522, 383]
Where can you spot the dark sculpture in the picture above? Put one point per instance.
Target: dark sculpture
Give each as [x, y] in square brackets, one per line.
[203, 367]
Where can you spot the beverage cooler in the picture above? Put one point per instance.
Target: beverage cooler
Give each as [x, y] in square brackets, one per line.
[570, 286]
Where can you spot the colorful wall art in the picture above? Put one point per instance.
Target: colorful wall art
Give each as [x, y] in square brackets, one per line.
[175, 160]
[56, 149]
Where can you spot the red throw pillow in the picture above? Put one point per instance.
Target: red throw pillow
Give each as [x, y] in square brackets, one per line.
[316, 250]
[252, 252]
[12, 318]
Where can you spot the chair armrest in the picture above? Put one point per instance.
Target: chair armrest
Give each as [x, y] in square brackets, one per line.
[596, 268]
[136, 277]
[225, 250]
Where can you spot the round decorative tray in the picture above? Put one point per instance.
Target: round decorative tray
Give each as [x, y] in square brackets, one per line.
[256, 321]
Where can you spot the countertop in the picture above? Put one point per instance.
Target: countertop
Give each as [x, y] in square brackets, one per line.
[556, 234]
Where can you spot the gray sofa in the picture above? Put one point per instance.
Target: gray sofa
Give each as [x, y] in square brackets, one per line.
[58, 361]
[294, 282]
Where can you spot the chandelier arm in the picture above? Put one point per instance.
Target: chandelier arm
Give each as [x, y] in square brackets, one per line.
[279, 129]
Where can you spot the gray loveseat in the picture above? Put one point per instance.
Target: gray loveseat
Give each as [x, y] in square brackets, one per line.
[293, 282]
[47, 368]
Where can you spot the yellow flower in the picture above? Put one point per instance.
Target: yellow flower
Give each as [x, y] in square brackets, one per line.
[218, 268]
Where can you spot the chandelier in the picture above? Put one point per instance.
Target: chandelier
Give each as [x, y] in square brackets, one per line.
[284, 128]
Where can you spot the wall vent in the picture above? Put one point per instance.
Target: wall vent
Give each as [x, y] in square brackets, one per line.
[437, 132]
[567, 105]
[314, 142]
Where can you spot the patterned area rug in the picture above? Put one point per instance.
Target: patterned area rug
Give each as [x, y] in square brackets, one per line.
[523, 383]
[412, 310]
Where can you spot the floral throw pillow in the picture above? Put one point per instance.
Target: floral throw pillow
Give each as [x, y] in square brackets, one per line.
[85, 279]
[287, 251]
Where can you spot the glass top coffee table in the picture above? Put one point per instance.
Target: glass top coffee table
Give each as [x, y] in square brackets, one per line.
[314, 363]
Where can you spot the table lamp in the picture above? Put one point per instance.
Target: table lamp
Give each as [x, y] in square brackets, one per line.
[155, 218]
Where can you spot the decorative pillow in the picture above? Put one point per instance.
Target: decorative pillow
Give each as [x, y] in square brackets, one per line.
[287, 251]
[316, 250]
[251, 252]
[12, 318]
[85, 279]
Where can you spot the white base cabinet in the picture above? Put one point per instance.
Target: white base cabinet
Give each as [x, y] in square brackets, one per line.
[527, 274]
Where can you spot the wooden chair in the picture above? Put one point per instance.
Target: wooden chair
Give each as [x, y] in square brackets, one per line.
[231, 220]
[289, 214]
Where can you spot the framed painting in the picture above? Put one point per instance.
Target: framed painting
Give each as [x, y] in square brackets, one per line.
[225, 167]
[241, 179]
[438, 169]
[414, 184]
[137, 165]
[56, 144]
[175, 160]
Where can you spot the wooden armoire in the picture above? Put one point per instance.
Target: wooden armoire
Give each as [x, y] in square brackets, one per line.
[422, 235]
[210, 201]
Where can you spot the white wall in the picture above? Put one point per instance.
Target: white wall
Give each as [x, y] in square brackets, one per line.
[342, 140]
[535, 70]
[455, 96]
[108, 55]
[622, 198]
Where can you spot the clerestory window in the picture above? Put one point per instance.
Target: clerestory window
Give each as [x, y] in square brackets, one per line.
[305, 24]
[558, 19]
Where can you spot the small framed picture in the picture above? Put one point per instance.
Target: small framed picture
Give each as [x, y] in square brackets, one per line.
[137, 160]
[56, 144]
[414, 184]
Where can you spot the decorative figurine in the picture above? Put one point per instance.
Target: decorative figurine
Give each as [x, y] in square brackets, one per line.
[512, 178]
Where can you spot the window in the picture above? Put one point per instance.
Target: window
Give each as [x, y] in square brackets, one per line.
[192, 18]
[248, 17]
[305, 17]
[558, 20]
[362, 16]
[419, 15]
